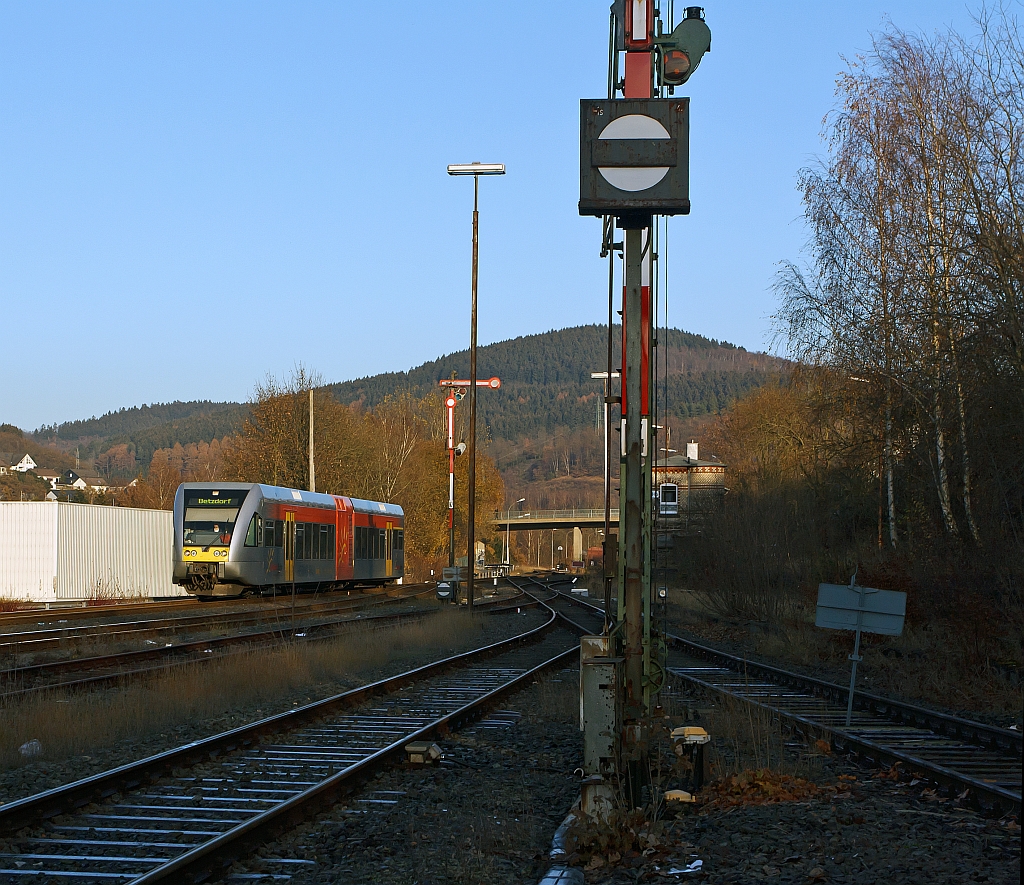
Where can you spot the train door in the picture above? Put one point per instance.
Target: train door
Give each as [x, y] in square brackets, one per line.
[387, 551]
[289, 547]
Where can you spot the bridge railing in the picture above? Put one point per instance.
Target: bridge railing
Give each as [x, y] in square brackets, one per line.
[513, 516]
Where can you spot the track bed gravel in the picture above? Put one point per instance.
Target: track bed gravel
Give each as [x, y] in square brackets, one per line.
[485, 814]
[877, 830]
[43, 773]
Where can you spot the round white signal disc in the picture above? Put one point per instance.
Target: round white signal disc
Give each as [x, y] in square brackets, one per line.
[634, 178]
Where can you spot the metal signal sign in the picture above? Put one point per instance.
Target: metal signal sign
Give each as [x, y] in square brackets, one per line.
[635, 157]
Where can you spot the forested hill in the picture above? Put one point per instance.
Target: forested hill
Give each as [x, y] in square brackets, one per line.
[144, 429]
[546, 381]
[546, 386]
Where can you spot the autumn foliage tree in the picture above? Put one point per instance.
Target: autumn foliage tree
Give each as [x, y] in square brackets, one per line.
[394, 452]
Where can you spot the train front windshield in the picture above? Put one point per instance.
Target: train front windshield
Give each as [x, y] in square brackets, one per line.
[210, 516]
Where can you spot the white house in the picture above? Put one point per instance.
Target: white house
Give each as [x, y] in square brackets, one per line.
[51, 476]
[25, 465]
[71, 480]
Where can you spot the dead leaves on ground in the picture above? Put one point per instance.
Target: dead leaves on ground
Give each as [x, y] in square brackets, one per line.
[624, 833]
[764, 787]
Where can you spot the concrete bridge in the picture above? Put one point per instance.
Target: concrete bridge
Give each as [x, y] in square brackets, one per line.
[534, 520]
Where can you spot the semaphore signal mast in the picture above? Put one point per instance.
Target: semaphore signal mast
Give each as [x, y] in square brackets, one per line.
[634, 166]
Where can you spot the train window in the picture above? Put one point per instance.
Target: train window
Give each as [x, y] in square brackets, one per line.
[399, 540]
[268, 533]
[381, 548]
[254, 532]
[307, 541]
[331, 550]
[359, 552]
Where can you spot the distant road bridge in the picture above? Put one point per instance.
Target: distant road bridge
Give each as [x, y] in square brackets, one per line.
[534, 520]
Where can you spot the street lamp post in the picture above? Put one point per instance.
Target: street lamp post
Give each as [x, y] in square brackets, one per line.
[476, 170]
[508, 532]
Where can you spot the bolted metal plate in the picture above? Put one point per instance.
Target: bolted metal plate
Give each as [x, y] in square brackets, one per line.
[635, 157]
[841, 607]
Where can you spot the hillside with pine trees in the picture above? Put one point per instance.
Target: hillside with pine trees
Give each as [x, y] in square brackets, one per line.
[547, 395]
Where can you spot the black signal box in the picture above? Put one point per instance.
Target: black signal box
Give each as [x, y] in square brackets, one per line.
[635, 157]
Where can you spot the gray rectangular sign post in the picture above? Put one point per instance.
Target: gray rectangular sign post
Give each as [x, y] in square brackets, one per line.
[864, 610]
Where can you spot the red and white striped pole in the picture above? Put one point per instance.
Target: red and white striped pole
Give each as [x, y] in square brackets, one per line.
[449, 403]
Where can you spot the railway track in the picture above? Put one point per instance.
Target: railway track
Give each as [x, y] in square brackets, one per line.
[189, 813]
[114, 668]
[976, 761]
[970, 759]
[71, 613]
[23, 642]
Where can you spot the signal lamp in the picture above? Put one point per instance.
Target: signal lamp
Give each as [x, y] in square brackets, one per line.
[682, 50]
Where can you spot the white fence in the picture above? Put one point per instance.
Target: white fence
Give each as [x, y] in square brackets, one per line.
[52, 551]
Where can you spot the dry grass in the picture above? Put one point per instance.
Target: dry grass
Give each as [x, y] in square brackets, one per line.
[269, 678]
[7, 604]
[112, 593]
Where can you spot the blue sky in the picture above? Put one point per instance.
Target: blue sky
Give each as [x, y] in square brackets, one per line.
[195, 195]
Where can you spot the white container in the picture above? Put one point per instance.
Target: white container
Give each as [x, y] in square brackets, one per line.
[54, 551]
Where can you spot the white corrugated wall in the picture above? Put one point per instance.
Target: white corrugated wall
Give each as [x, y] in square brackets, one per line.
[28, 550]
[91, 551]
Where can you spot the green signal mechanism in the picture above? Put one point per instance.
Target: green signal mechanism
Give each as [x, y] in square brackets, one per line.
[682, 50]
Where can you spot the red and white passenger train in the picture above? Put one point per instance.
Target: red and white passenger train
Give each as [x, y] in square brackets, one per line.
[232, 538]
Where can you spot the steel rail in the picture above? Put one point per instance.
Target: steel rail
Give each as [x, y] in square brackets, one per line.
[989, 794]
[96, 787]
[213, 855]
[82, 611]
[255, 832]
[27, 641]
[992, 737]
[994, 752]
[187, 653]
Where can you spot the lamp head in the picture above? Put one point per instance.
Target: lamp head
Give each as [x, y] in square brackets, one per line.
[476, 169]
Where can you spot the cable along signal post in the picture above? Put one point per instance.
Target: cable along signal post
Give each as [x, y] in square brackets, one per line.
[634, 168]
